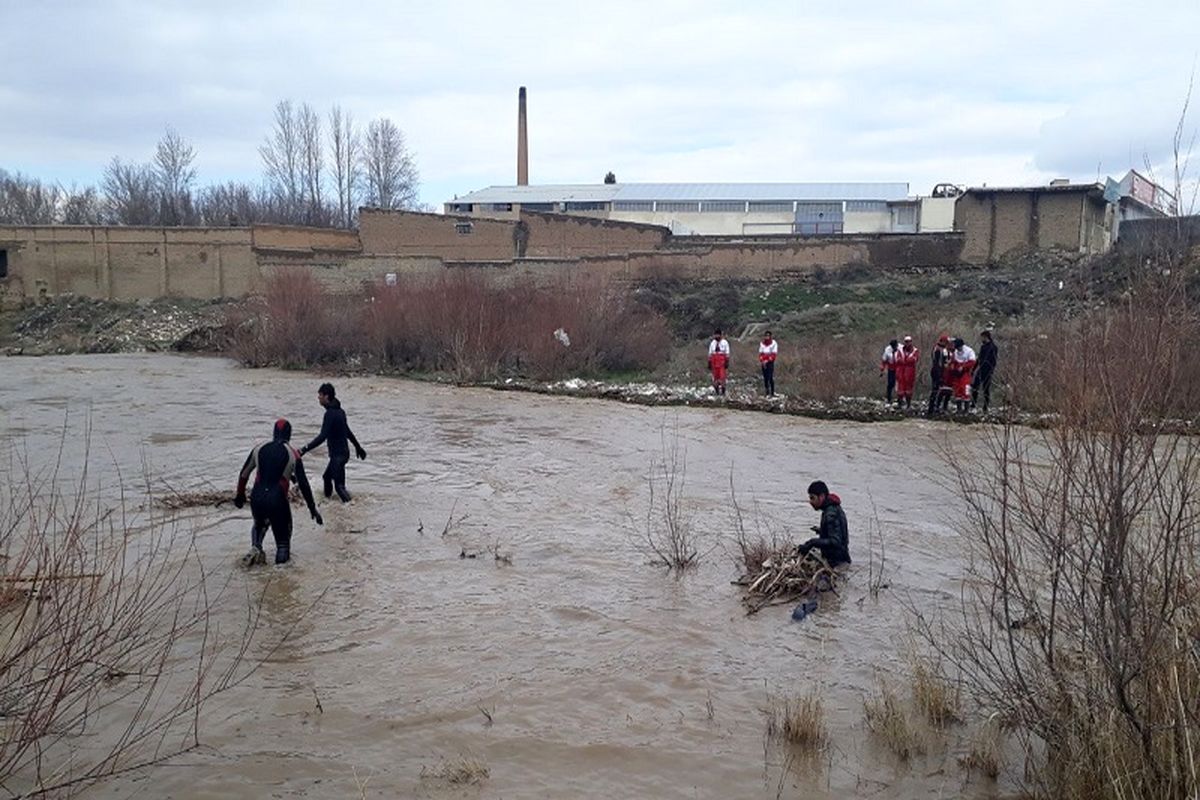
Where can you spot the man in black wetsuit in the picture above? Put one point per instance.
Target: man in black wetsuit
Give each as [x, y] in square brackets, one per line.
[335, 431]
[982, 384]
[277, 465]
[833, 535]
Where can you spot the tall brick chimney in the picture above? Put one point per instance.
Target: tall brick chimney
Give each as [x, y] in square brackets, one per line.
[522, 142]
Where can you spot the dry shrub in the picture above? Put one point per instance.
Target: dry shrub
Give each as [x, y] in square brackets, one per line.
[109, 651]
[934, 695]
[1079, 622]
[886, 719]
[670, 536]
[798, 720]
[466, 323]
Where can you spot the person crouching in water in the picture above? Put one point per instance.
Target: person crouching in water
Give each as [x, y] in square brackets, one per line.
[718, 360]
[833, 535]
[278, 465]
[906, 372]
[336, 431]
[768, 350]
[962, 365]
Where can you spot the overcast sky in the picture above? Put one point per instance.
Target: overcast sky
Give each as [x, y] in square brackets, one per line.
[922, 92]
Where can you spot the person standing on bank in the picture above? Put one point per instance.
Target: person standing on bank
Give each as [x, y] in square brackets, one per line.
[718, 360]
[906, 372]
[768, 350]
[937, 369]
[833, 535]
[335, 431]
[888, 363]
[277, 465]
[988, 355]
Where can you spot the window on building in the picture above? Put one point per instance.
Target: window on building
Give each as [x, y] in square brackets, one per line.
[460, 208]
[771, 206]
[633, 205]
[463, 228]
[866, 205]
[724, 206]
[581, 205]
[537, 207]
[906, 215]
[499, 206]
[3, 263]
[674, 205]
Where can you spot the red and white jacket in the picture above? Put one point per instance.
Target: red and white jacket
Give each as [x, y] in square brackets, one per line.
[767, 351]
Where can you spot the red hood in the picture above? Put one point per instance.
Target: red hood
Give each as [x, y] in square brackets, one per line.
[833, 499]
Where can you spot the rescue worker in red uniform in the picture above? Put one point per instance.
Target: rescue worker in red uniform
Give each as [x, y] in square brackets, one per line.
[960, 367]
[906, 372]
[768, 351]
[718, 360]
[278, 465]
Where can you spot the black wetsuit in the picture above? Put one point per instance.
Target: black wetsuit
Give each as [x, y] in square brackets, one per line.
[937, 364]
[277, 465]
[335, 431]
[833, 535]
[988, 355]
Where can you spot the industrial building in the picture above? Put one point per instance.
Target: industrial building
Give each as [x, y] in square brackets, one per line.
[725, 209]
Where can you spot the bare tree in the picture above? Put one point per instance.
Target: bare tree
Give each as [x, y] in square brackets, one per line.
[111, 648]
[27, 201]
[282, 156]
[130, 193]
[391, 174]
[312, 164]
[1079, 620]
[81, 207]
[345, 143]
[174, 176]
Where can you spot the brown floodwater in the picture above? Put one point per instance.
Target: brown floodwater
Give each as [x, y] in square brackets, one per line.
[604, 677]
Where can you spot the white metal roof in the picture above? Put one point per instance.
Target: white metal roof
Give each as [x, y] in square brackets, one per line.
[633, 192]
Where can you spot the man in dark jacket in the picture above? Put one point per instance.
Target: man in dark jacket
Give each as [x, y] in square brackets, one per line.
[277, 465]
[833, 535]
[336, 431]
[988, 354]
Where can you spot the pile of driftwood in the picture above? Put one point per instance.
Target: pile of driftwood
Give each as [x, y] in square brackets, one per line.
[174, 500]
[785, 576]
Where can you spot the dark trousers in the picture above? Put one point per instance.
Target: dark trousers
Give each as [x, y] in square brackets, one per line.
[891, 384]
[335, 476]
[982, 383]
[935, 399]
[768, 371]
[270, 508]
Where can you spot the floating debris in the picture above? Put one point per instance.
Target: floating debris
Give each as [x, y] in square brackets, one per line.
[787, 576]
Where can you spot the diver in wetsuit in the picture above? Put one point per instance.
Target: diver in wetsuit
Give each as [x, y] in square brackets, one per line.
[335, 431]
[277, 465]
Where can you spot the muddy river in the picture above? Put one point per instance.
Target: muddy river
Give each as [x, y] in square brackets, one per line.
[603, 677]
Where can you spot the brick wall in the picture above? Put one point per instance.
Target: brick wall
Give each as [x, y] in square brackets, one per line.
[567, 236]
[409, 233]
[997, 223]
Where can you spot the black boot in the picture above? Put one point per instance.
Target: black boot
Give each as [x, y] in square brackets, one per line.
[342, 494]
[256, 554]
[283, 554]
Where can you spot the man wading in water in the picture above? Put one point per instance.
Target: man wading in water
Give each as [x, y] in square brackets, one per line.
[336, 430]
[277, 465]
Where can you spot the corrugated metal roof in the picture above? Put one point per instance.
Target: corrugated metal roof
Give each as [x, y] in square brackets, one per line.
[634, 192]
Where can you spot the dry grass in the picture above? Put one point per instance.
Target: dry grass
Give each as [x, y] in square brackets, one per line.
[798, 720]
[934, 695]
[984, 756]
[461, 770]
[886, 719]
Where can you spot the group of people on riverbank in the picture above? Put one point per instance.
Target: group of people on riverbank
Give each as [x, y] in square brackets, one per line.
[956, 372]
[278, 465]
